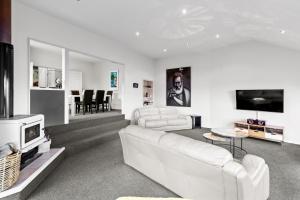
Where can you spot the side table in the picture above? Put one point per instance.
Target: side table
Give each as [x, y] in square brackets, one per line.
[196, 121]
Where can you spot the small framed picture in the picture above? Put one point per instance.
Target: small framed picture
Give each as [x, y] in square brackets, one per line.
[135, 85]
[114, 80]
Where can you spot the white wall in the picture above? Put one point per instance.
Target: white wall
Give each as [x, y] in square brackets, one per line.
[102, 72]
[102, 80]
[251, 65]
[75, 80]
[44, 58]
[87, 69]
[30, 23]
[200, 83]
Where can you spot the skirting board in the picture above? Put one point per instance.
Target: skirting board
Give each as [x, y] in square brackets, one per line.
[32, 175]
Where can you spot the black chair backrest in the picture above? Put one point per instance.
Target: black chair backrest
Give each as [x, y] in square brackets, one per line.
[100, 96]
[109, 93]
[77, 99]
[88, 96]
[75, 92]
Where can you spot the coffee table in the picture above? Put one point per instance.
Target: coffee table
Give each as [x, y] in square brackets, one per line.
[232, 134]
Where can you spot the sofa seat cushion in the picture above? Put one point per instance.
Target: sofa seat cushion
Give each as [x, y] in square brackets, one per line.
[176, 122]
[201, 151]
[155, 123]
[143, 133]
[150, 117]
[169, 116]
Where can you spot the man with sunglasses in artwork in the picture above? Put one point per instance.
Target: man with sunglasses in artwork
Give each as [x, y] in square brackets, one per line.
[178, 95]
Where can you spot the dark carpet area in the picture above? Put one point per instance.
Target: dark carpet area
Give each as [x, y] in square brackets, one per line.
[99, 173]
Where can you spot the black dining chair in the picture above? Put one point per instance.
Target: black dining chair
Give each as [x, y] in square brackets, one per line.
[106, 102]
[76, 99]
[99, 100]
[87, 102]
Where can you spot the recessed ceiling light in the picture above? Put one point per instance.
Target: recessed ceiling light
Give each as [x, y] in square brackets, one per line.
[282, 31]
[137, 34]
[217, 36]
[188, 45]
[184, 11]
[165, 50]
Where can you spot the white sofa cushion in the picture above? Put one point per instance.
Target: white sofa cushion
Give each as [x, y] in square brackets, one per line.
[155, 123]
[176, 122]
[201, 151]
[150, 117]
[169, 116]
[143, 133]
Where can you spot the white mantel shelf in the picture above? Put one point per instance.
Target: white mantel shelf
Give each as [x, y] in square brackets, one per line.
[30, 172]
[46, 88]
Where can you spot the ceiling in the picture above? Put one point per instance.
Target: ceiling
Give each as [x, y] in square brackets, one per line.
[163, 25]
[72, 54]
[45, 47]
[85, 58]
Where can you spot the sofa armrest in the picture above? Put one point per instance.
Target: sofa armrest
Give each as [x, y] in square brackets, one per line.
[142, 122]
[181, 116]
[258, 171]
[253, 165]
[237, 184]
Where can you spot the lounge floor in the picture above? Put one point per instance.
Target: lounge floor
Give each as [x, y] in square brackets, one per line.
[100, 174]
[89, 116]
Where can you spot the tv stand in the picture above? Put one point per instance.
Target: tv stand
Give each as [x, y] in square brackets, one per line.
[267, 132]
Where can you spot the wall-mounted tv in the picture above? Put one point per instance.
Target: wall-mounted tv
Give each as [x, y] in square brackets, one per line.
[260, 100]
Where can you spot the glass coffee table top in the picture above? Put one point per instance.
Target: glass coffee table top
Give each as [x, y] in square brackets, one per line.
[232, 133]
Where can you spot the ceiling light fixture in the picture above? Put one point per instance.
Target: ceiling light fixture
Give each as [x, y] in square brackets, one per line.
[217, 36]
[188, 45]
[165, 50]
[137, 34]
[184, 11]
[282, 31]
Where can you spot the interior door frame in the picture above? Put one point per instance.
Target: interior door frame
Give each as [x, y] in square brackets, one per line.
[65, 74]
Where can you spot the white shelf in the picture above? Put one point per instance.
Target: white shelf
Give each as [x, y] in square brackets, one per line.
[274, 137]
[29, 173]
[54, 89]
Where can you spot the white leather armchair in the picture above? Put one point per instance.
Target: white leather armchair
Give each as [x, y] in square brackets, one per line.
[194, 169]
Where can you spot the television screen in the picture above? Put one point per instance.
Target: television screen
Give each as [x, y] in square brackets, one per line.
[260, 100]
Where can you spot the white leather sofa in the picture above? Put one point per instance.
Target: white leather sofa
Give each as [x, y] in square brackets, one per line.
[164, 118]
[194, 169]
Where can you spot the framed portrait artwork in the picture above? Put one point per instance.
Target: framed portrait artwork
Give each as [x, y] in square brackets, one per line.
[179, 87]
[114, 80]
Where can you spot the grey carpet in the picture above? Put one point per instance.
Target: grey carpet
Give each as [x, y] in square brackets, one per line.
[89, 116]
[99, 173]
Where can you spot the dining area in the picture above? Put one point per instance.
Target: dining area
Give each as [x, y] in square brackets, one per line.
[90, 101]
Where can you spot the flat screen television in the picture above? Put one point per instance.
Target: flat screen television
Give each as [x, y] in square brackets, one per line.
[260, 100]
